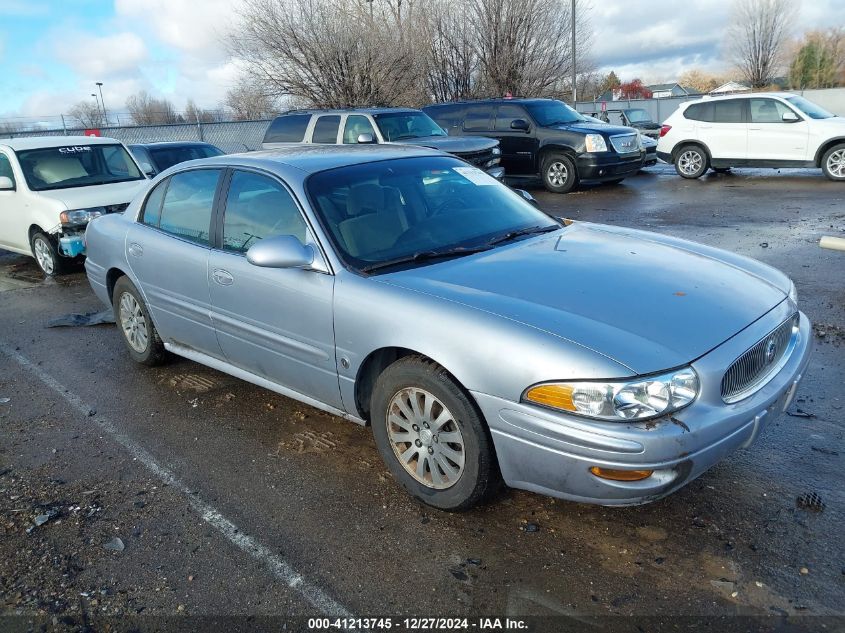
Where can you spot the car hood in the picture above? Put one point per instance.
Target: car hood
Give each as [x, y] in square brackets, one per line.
[597, 128]
[96, 195]
[648, 304]
[646, 125]
[453, 144]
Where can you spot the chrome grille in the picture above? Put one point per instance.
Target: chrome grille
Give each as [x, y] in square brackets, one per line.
[625, 143]
[479, 159]
[750, 371]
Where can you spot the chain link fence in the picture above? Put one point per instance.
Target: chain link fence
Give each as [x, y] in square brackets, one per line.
[229, 136]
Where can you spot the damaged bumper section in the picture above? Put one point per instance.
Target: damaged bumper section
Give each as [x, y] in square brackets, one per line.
[71, 232]
[569, 457]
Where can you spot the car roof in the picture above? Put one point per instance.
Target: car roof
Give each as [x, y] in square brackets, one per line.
[367, 110]
[38, 142]
[170, 144]
[742, 95]
[496, 100]
[311, 158]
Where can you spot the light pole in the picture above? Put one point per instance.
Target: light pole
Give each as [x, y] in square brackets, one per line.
[574, 73]
[99, 111]
[100, 87]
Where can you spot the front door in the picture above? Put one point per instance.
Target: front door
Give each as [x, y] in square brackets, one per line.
[727, 134]
[518, 146]
[168, 251]
[772, 138]
[276, 323]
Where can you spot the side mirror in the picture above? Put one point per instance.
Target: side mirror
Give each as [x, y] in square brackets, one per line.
[366, 139]
[6, 183]
[528, 197]
[281, 251]
[147, 169]
[790, 117]
[519, 124]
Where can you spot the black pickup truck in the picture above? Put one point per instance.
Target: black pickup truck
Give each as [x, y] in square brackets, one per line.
[546, 137]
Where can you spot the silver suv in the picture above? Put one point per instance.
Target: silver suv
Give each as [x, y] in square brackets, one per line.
[404, 126]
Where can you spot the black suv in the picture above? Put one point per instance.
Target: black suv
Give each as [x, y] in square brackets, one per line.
[546, 137]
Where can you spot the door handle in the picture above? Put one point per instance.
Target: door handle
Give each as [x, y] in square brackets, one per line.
[135, 249]
[222, 277]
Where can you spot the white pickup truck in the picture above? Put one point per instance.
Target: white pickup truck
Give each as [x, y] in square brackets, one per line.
[52, 186]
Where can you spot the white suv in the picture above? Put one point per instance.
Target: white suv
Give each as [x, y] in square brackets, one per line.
[52, 186]
[754, 130]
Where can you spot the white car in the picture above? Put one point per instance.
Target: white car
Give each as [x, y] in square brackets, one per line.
[774, 129]
[52, 186]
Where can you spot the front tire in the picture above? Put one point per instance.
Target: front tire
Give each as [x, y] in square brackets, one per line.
[691, 162]
[135, 325]
[559, 173]
[833, 162]
[431, 436]
[46, 254]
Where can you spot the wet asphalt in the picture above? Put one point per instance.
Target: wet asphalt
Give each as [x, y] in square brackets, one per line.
[311, 490]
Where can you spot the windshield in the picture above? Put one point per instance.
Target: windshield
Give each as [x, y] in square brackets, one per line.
[77, 166]
[165, 157]
[547, 113]
[395, 126]
[637, 115]
[391, 210]
[809, 108]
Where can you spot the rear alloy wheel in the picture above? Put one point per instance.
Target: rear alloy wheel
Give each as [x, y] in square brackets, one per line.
[431, 436]
[46, 255]
[559, 174]
[136, 326]
[833, 162]
[691, 161]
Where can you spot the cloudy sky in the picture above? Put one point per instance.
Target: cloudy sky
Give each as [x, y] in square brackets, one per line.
[53, 51]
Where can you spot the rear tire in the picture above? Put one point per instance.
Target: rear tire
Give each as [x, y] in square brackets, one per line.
[431, 436]
[46, 254]
[833, 163]
[691, 162]
[559, 173]
[135, 325]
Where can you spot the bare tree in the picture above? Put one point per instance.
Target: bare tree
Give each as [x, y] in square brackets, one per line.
[757, 36]
[147, 110]
[249, 102]
[525, 45]
[453, 64]
[699, 80]
[87, 114]
[330, 52]
[194, 113]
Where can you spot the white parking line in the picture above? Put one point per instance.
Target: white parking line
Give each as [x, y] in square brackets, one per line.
[278, 566]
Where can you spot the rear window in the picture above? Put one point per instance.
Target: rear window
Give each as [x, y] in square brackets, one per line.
[325, 130]
[165, 157]
[699, 112]
[289, 128]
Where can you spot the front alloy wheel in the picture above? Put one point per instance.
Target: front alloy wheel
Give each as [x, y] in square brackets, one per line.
[833, 162]
[46, 255]
[425, 438]
[559, 174]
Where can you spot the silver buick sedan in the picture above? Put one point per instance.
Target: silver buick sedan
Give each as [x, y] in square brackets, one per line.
[482, 340]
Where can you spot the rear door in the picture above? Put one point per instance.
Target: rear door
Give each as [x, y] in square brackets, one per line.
[772, 138]
[518, 146]
[272, 322]
[168, 250]
[326, 129]
[726, 135]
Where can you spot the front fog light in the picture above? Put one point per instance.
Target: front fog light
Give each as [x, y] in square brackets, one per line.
[638, 399]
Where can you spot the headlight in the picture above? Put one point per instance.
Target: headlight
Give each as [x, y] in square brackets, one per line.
[640, 139]
[81, 216]
[497, 151]
[637, 399]
[793, 293]
[596, 143]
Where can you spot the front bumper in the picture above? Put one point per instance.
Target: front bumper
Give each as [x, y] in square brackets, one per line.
[549, 452]
[602, 166]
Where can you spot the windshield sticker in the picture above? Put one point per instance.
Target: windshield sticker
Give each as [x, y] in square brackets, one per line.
[475, 176]
[75, 149]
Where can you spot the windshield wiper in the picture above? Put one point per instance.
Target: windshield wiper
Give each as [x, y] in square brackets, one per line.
[531, 230]
[420, 256]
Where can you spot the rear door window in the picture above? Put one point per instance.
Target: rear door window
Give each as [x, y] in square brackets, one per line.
[447, 115]
[188, 201]
[325, 130]
[478, 118]
[289, 128]
[258, 207]
[730, 111]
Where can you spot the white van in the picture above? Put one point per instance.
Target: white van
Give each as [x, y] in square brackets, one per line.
[52, 186]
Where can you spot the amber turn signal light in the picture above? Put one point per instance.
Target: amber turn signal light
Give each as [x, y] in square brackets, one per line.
[557, 396]
[620, 475]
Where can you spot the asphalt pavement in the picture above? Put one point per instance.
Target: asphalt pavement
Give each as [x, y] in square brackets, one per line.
[181, 492]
